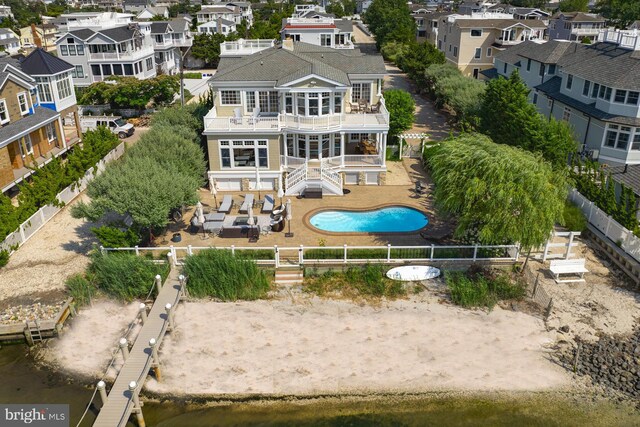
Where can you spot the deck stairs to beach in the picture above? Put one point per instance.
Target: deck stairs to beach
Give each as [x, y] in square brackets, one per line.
[314, 174]
[289, 276]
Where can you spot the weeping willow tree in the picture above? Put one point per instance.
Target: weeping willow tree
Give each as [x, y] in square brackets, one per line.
[500, 194]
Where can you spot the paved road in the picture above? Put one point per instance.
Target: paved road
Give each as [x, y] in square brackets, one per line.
[428, 118]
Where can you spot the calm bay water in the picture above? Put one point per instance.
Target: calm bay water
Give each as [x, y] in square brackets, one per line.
[21, 382]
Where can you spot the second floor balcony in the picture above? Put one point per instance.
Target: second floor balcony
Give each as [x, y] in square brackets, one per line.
[244, 47]
[372, 118]
[127, 55]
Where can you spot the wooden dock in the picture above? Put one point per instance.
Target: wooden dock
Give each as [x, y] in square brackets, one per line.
[120, 401]
[36, 330]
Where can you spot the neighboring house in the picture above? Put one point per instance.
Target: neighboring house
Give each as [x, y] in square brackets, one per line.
[234, 12]
[9, 41]
[321, 31]
[219, 26]
[427, 26]
[135, 6]
[32, 107]
[471, 41]
[151, 12]
[595, 88]
[293, 108]
[634, 26]
[43, 35]
[5, 12]
[91, 20]
[575, 26]
[362, 6]
[170, 39]
[118, 51]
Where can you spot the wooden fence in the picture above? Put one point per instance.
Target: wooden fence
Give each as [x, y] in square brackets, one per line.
[45, 213]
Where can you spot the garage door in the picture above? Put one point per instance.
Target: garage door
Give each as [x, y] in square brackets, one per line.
[265, 184]
[351, 179]
[228, 184]
[372, 178]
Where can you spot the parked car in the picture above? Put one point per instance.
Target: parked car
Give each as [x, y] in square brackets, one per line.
[115, 124]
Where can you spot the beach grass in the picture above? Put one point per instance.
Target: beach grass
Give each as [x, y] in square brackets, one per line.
[219, 274]
[480, 287]
[356, 281]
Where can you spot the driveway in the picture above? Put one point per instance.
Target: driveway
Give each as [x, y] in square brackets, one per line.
[428, 119]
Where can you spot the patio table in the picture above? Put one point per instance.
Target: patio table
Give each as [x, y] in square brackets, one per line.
[216, 216]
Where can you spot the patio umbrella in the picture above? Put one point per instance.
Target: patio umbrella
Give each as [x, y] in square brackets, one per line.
[250, 220]
[200, 213]
[258, 185]
[288, 218]
[280, 189]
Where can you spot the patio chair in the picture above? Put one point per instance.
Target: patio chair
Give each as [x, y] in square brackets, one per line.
[355, 108]
[247, 203]
[267, 204]
[363, 104]
[255, 115]
[226, 205]
[375, 108]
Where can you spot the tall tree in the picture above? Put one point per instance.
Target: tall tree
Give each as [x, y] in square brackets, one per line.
[621, 13]
[500, 194]
[574, 6]
[401, 108]
[207, 48]
[391, 20]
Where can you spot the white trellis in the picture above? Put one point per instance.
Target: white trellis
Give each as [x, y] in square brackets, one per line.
[412, 152]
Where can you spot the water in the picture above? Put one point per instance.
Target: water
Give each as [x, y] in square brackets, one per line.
[392, 219]
[21, 382]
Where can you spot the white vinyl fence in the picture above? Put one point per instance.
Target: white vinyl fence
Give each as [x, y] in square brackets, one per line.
[313, 255]
[607, 225]
[45, 213]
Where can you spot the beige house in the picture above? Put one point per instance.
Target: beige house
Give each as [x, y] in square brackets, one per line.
[43, 35]
[298, 116]
[471, 41]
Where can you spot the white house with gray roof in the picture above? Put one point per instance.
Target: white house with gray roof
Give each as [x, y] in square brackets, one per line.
[118, 51]
[170, 40]
[318, 28]
[595, 88]
[298, 114]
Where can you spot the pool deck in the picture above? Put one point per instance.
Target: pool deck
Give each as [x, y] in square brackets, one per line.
[360, 197]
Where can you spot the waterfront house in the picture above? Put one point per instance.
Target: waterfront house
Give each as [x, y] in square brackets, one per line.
[36, 95]
[575, 26]
[170, 40]
[308, 116]
[42, 35]
[320, 30]
[9, 41]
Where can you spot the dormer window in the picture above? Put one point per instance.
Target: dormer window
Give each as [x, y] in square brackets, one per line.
[4, 115]
[24, 104]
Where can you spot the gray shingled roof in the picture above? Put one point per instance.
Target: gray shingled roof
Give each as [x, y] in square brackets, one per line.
[547, 53]
[605, 63]
[344, 25]
[159, 27]
[179, 25]
[14, 130]
[552, 89]
[498, 23]
[119, 34]
[579, 17]
[283, 66]
[40, 63]
[628, 175]
[83, 33]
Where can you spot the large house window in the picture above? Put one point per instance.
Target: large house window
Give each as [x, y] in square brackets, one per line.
[595, 90]
[632, 97]
[586, 87]
[44, 89]
[24, 104]
[26, 147]
[230, 97]
[268, 101]
[552, 69]
[361, 91]
[455, 51]
[72, 50]
[566, 114]
[621, 95]
[78, 72]
[80, 50]
[63, 85]
[337, 102]
[4, 115]
[476, 33]
[569, 81]
[478, 53]
[617, 137]
[489, 52]
[51, 133]
[63, 50]
[243, 154]
[288, 104]
[149, 64]
[325, 39]
[636, 140]
[528, 64]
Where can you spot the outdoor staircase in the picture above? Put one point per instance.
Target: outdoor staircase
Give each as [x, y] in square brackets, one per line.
[34, 334]
[289, 276]
[315, 174]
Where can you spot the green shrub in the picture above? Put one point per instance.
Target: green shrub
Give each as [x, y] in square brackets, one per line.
[219, 274]
[481, 287]
[113, 237]
[81, 289]
[124, 276]
[4, 258]
[261, 254]
[572, 218]
[357, 281]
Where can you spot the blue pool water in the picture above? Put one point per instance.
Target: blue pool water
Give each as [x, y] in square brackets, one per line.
[393, 219]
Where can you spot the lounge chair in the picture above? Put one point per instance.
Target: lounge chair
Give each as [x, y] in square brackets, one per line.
[226, 205]
[237, 116]
[248, 203]
[267, 205]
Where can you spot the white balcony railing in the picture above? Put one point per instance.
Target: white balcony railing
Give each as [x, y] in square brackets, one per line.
[310, 21]
[582, 31]
[245, 47]
[126, 56]
[346, 161]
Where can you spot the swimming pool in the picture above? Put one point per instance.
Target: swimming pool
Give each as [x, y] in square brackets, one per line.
[391, 219]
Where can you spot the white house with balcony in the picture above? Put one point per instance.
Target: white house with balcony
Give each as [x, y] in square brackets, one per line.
[231, 11]
[595, 88]
[170, 40]
[118, 51]
[297, 115]
[575, 26]
[320, 30]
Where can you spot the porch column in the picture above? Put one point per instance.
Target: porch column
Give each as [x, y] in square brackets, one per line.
[286, 153]
[61, 134]
[379, 94]
[342, 149]
[383, 152]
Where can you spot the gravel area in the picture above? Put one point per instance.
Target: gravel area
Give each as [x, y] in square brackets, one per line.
[22, 313]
